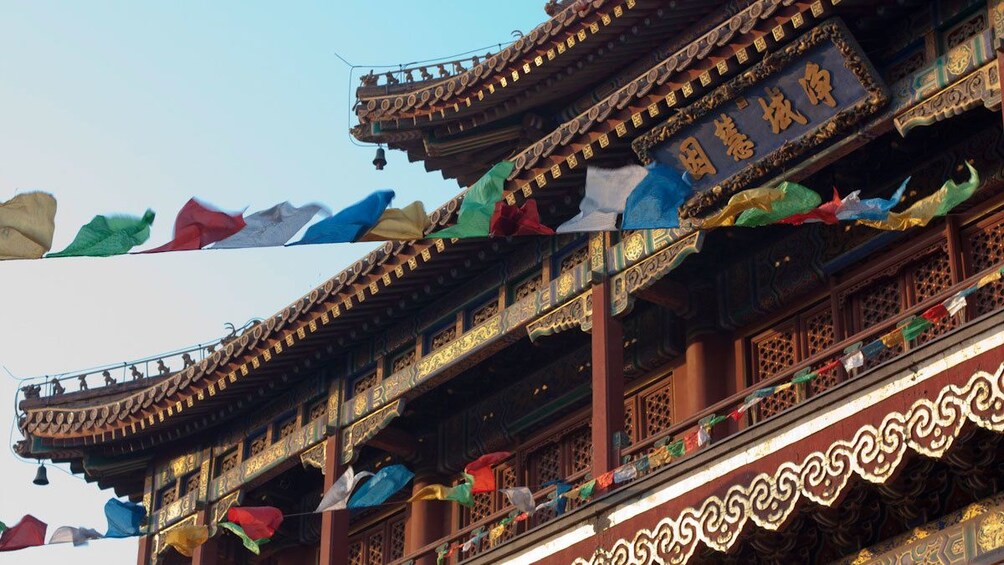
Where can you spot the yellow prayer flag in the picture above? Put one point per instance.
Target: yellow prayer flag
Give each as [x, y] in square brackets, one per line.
[782, 387]
[893, 338]
[754, 198]
[402, 224]
[431, 492]
[27, 223]
[659, 457]
[988, 279]
[184, 539]
[495, 533]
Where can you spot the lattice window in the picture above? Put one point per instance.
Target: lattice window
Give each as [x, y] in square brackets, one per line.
[395, 546]
[403, 361]
[317, 410]
[986, 250]
[527, 287]
[657, 407]
[229, 461]
[192, 482]
[570, 261]
[629, 423]
[484, 313]
[819, 336]
[581, 449]
[880, 301]
[364, 383]
[442, 337]
[357, 555]
[286, 429]
[168, 495]
[931, 276]
[257, 445]
[773, 352]
[374, 549]
[960, 33]
[545, 464]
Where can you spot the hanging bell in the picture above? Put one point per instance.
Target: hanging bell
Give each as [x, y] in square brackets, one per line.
[41, 478]
[381, 160]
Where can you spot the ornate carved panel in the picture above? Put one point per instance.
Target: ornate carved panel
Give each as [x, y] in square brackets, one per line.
[527, 287]
[364, 383]
[403, 361]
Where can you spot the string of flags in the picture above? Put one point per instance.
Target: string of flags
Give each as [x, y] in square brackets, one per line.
[628, 198]
[256, 525]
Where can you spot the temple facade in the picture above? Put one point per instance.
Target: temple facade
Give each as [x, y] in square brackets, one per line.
[583, 353]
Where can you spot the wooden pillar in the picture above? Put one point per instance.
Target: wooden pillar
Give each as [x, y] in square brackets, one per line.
[1000, 69]
[145, 546]
[334, 524]
[207, 553]
[426, 521]
[705, 379]
[607, 380]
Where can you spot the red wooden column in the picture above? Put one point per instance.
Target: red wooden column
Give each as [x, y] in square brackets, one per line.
[608, 380]
[426, 521]
[207, 553]
[1000, 70]
[335, 524]
[705, 378]
[143, 554]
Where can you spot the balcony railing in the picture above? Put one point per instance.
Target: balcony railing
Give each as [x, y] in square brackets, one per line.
[687, 425]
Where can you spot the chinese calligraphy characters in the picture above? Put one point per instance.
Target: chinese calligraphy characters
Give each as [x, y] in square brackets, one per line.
[816, 84]
[695, 160]
[778, 112]
[737, 145]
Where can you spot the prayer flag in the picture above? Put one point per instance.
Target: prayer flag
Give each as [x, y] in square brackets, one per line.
[854, 360]
[76, 536]
[399, 224]
[272, 227]
[921, 212]
[254, 546]
[703, 437]
[124, 518]
[431, 492]
[481, 470]
[752, 199]
[643, 463]
[955, 304]
[936, 313]
[606, 196]
[803, 378]
[338, 495]
[258, 522]
[873, 348]
[893, 338]
[521, 498]
[27, 223]
[825, 213]
[382, 486]
[914, 328]
[461, 493]
[659, 457]
[988, 279]
[606, 479]
[690, 442]
[796, 199]
[853, 208]
[105, 236]
[495, 533]
[184, 539]
[508, 220]
[676, 448]
[655, 202]
[198, 225]
[351, 223]
[28, 532]
[587, 490]
[478, 205]
[557, 497]
[625, 473]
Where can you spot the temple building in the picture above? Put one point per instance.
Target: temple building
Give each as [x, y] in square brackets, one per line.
[581, 353]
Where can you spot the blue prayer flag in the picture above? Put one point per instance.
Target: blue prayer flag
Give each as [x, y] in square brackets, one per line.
[560, 488]
[124, 518]
[655, 202]
[382, 486]
[870, 208]
[351, 223]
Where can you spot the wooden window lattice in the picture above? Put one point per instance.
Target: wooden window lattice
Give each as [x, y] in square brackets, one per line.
[545, 463]
[357, 555]
[819, 336]
[986, 250]
[930, 277]
[395, 546]
[374, 549]
[658, 409]
[362, 384]
[581, 449]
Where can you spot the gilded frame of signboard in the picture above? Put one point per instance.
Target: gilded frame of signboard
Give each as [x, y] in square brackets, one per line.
[875, 97]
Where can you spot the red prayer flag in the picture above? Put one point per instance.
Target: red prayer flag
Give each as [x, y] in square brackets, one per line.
[826, 213]
[605, 480]
[198, 225]
[935, 313]
[829, 366]
[29, 532]
[509, 219]
[259, 522]
[736, 415]
[690, 442]
[481, 470]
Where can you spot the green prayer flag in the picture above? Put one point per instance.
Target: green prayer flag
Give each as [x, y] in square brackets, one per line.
[109, 235]
[474, 218]
[677, 448]
[797, 199]
[915, 327]
[586, 490]
[3, 526]
[251, 545]
[463, 493]
[804, 378]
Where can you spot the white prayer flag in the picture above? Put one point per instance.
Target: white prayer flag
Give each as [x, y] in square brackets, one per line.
[76, 536]
[854, 360]
[273, 227]
[955, 304]
[607, 191]
[625, 473]
[521, 498]
[338, 495]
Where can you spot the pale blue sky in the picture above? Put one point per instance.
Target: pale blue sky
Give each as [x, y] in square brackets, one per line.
[115, 107]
